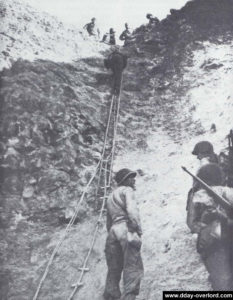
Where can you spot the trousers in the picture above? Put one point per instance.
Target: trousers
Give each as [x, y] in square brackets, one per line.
[122, 258]
[219, 264]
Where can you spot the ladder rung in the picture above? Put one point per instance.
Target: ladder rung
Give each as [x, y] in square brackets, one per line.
[74, 285]
[84, 269]
[105, 160]
[106, 170]
[103, 210]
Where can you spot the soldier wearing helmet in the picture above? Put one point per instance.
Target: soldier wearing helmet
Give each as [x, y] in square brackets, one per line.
[123, 242]
[205, 152]
[214, 227]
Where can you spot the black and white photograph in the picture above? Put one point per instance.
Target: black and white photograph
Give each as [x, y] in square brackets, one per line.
[116, 149]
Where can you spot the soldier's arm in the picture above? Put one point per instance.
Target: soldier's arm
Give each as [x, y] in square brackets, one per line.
[132, 211]
[193, 217]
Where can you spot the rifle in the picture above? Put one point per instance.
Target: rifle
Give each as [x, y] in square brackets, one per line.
[219, 199]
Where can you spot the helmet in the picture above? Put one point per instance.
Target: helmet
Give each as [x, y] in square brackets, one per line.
[93, 19]
[111, 30]
[126, 25]
[123, 174]
[211, 174]
[203, 147]
[148, 16]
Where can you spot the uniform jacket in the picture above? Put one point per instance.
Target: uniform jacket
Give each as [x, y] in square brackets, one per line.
[126, 34]
[202, 206]
[122, 207]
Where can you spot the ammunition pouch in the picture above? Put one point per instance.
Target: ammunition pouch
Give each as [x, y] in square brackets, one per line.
[134, 239]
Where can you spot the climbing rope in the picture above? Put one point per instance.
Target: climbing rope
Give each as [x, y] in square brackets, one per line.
[84, 267]
[107, 180]
[65, 233]
[116, 119]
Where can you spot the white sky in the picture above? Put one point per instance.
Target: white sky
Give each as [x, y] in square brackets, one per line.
[109, 13]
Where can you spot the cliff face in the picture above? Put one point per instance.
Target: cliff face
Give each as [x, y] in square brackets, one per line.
[53, 118]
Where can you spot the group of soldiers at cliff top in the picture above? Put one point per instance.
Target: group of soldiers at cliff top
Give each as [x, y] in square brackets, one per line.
[110, 37]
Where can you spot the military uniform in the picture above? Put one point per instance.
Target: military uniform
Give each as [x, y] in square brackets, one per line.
[214, 229]
[125, 36]
[123, 245]
[117, 62]
[92, 28]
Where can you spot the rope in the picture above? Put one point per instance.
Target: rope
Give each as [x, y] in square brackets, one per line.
[106, 182]
[84, 267]
[105, 139]
[65, 233]
[116, 119]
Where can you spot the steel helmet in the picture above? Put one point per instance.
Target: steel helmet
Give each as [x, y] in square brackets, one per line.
[149, 16]
[203, 147]
[123, 174]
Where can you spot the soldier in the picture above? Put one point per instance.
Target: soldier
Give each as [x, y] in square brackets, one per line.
[109, 38]
[117, 62]
[214, 228]
[152, 20]
[126, 35]
[204, 151]
[124, 239]
[92, 28]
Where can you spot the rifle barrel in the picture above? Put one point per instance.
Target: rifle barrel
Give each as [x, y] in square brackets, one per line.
[219, 198]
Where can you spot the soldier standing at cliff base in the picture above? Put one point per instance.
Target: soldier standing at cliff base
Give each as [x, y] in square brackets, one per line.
[124, 239]
[117, 62]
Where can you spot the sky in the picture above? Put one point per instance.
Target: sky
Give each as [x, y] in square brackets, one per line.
[109, 13]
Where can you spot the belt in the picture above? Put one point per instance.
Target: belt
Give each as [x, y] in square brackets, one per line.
[119, 220]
